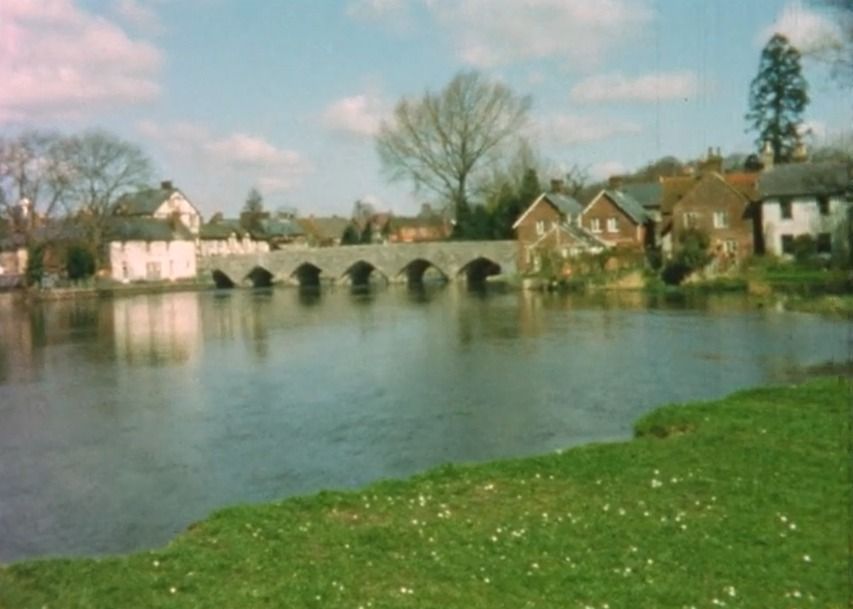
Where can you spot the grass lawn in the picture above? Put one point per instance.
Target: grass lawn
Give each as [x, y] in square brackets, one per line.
[739, 503]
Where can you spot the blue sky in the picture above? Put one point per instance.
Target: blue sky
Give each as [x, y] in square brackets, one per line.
[286, 95]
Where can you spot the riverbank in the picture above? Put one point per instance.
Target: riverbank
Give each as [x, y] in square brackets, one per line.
[739, 502]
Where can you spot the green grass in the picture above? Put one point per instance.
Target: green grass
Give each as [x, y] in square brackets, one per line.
[739, 503]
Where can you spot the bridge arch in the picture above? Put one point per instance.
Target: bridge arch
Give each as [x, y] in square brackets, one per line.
[415, 271]
[359, 273]
[221, 280]
[260, 277]
[478, 269]
[307, 275]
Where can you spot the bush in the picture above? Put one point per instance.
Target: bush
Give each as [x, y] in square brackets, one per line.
[691, 255]
[35, 264]
[80, 262]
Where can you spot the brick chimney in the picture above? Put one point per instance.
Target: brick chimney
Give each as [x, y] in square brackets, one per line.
[557, 185]
[767, 156]
[614, 182]
[712, 162]
[166, 185]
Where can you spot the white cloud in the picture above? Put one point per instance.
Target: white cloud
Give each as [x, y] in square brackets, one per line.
[489, 33]
[359, 115]
[576, 129]
[56, 59]
[807, 30]
[606, 169]
[138, 14]
[245, 156]
[645, 88]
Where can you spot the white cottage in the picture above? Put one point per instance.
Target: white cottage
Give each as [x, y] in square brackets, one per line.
[150, 249]
[805, 199]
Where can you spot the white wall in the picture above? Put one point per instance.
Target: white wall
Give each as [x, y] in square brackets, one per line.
[225, 247]
[151, 261]
[805, 220]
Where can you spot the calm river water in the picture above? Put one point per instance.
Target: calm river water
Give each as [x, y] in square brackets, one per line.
[123, 420]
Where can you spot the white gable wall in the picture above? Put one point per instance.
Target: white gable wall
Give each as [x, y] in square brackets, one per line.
[178, 205]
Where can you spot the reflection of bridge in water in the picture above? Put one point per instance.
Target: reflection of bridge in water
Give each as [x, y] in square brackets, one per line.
[471, 261]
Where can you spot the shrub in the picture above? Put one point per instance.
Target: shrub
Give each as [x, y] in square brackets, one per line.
[79, 262]
[35, 264]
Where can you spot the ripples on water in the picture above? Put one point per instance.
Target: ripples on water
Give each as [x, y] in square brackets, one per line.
[123, 420]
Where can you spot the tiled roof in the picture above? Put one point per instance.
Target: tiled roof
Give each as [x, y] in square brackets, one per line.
[795, 179]
[275, 227]
[146, 229]
[647, 194]
[567, 205]
[142, 203]
[744, 182]
[324, 228]
[221, 229]
[673, 189]
[629, 205]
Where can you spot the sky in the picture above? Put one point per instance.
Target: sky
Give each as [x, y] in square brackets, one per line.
[287, 95]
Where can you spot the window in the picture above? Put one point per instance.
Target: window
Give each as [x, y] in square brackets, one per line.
[611, 225]
[823, 205]
[540, 227]
[785, 206]
[730, 246]
[824, 243]
[152, 271]
[595, 225]
[691, 219]
[787, 244]
[721, 219]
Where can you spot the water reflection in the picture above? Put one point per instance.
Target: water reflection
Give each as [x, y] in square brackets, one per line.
[156, 330]
[126, 419]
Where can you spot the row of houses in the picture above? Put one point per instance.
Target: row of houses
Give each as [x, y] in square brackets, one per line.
[741, 213]
[158, 233]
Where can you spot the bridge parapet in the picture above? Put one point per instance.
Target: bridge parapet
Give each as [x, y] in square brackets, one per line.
[343, 263]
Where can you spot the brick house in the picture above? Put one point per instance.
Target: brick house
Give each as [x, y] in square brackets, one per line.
[724, 208]
[619, 220]
[549, 227]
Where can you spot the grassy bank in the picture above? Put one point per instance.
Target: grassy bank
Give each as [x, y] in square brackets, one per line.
[741, 503]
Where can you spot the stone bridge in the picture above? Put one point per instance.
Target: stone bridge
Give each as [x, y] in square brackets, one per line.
[470, 261]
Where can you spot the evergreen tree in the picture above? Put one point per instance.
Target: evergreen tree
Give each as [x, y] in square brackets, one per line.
[778, 96]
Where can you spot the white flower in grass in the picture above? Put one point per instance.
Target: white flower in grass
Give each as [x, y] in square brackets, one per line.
[807, 558]
[173, 590]
[656, 483]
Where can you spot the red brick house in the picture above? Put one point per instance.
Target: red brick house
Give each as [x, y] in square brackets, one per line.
[619, 220]
[723, 207]
[549, 228]
[412, 230]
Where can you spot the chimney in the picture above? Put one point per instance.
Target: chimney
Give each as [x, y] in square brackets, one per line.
[713, 162]
[166, 185]
[557, 185]
[614, 182]
[800, 153]
[767, 156]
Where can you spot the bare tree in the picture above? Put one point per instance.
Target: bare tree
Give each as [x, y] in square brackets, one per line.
[34, 180]
[441, 141]
[102, 168]
[840, 54]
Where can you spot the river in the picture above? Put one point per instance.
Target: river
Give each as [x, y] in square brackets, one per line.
[123, 420]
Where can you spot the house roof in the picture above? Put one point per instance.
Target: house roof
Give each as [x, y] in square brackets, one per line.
[745, 182]
[673, 189]
[145, 229]
[647, 194]
[563, 203]
[398, 222]
[796, 179]
[575, 233]
[221, 229]
[324, 228]
[628, 204]
[144, 202]
[281, 227]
